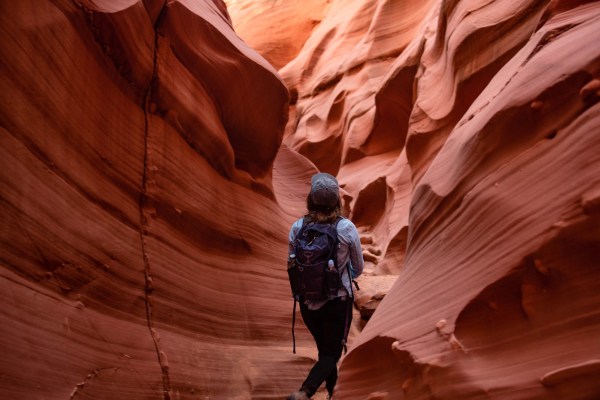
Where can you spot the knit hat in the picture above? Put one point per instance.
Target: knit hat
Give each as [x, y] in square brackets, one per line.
[324, 190]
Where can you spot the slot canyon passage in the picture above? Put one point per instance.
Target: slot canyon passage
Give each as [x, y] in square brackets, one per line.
[154, 154]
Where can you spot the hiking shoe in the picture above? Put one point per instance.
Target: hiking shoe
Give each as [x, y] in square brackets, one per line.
[300, 395]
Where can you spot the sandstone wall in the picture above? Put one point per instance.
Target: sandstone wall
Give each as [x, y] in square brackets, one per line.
[466, 137]
[150, 171]
[141, 244]
[277, 29]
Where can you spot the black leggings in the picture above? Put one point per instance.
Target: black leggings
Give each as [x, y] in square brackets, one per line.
[327, 326]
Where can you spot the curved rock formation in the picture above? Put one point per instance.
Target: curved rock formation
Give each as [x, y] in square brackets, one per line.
[276, 29]
[464, 134]
[497, 293]
[150, 172]
[137, 148]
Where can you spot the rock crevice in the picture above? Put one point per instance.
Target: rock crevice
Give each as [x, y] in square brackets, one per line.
[146, 210]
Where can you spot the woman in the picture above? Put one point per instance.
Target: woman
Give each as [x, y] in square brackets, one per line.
[328, 320]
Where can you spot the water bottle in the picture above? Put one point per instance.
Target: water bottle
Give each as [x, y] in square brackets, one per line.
[291, 262]
[332, 280]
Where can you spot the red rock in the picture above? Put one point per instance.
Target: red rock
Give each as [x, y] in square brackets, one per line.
[484, 141]
[372, 291]
[146, 195]
[128, 176]
[277, 30]
[472, 243]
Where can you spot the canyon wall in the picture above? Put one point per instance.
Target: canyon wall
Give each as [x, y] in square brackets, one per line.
[141, 241]
[277, 29]
[152, 162]
[466, 136]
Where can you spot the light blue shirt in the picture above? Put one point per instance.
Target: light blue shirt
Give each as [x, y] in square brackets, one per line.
[349, 253]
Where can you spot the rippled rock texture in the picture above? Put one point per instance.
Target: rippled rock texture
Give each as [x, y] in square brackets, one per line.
[150, 171]
[466, 135]
[141, 244]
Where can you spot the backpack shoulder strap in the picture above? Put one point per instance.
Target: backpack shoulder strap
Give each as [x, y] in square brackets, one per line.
[337, 221]
[335, 225]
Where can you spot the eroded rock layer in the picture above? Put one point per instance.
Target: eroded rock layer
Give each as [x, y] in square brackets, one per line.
[274, 28]
[466, 138]
[135, 185]
[149, 174]
[465, 135]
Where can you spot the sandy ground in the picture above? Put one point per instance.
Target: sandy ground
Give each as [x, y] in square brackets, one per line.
[320, 395]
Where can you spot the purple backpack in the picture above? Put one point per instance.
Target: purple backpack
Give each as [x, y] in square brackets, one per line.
[314, 273]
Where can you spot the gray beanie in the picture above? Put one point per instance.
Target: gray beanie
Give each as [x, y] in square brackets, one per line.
[324, 190]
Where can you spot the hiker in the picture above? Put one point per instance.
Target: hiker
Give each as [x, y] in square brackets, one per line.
[327, 316]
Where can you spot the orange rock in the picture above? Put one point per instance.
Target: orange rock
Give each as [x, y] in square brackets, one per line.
[152, 162]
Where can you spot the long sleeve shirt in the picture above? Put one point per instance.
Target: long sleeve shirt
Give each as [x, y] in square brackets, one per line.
[349, 256]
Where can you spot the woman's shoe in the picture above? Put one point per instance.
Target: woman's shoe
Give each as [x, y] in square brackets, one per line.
[299, 395]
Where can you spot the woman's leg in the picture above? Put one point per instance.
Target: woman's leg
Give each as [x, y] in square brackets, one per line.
[331, 380]
[313, 321]
[327, 325]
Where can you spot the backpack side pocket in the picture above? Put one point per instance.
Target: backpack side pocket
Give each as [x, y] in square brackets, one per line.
[294, 275]
[333, 282]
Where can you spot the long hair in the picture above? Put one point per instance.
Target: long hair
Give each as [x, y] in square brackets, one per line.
[322, 214]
